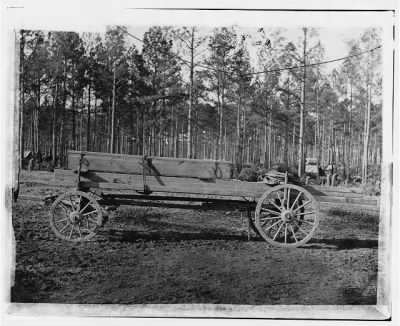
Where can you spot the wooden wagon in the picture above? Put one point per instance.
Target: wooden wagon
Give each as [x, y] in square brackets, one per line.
[284, 214]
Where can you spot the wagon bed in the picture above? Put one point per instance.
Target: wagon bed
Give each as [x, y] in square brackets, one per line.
[193, 188]
[284, 214]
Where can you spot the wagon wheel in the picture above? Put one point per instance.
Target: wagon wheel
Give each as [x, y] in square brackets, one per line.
[75, 216]
[299, 204]
[287, 216]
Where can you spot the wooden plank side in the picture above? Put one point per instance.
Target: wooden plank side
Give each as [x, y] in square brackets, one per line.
[132, 164]
[61, 174]
[199, 189]
[254, 190]
[176, 181]
[113, 191]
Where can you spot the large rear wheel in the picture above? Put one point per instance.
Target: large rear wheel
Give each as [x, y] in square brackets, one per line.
[287, 216]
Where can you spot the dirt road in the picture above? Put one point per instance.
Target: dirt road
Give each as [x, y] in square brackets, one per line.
[149, 255]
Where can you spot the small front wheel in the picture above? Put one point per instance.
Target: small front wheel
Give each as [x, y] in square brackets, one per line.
[75, 216]
[287, 216]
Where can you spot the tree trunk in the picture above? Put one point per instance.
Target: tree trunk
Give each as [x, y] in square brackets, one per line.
[144, 152]
[80, 130]
[88, 120]
[219, 99]
[189, 141]
[73, 118]
[294, 146]
[21, 101]
[138, 139]
[176, 138]
[237, 142]
[302, 108]
[112, 142]
[62, 141]
[266, 133]
[53, 137]
[270, 139]
[349, 159]
[36, 124]
[285, 147]
[94, 125]
[243, 134]
[131, 124]
[366, 136]
[316, 136]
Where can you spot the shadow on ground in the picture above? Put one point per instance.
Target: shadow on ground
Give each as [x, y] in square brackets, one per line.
[176, 236]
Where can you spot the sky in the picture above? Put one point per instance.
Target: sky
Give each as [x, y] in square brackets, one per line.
[333, 39]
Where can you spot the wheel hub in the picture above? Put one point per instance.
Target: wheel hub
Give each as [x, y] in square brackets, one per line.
[287, 216]
[75, 217]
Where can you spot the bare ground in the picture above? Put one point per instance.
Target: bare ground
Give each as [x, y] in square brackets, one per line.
[152, 255]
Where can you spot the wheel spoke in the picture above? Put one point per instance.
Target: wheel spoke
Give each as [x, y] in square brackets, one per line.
[64, 219]
[308, 222]
[297, 198]
[270, 211]
[285, 232]
[79, 205]
[305, 213]
[294, 235]
[64, 227]
[277, 232]
[79, 231]
[279, 208]
[264, 224]
[89, 213]
[288, 199]
[72, 230]
[65, 207]
[73, 206]
[302, 230]
[282, 205]
[93, 220]
[272, 225]
[83, 209]
[306, 203]
[270, 218]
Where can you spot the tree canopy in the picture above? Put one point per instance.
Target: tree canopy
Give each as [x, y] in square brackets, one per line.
[253, 99]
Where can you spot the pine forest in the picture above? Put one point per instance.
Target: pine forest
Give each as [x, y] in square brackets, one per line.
[252, 97]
